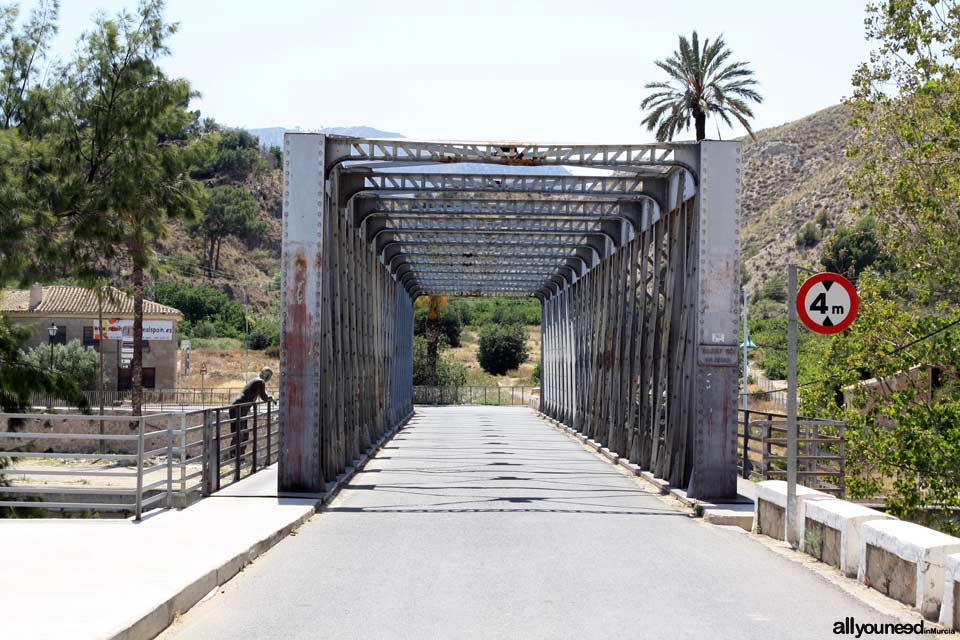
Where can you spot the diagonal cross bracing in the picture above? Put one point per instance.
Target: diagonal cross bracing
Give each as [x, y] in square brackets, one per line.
[635, 269]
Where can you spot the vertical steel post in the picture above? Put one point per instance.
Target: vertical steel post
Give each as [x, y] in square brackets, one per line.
[305, 203]
[793, 534]
[713, 427]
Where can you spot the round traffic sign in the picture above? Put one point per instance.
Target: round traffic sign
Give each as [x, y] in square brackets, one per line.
[827, 303]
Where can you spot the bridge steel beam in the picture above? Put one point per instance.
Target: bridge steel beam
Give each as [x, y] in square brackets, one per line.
[637, 275]
[347, 332]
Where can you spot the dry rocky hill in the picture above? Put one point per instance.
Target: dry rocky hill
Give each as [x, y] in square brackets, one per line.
[792, 173]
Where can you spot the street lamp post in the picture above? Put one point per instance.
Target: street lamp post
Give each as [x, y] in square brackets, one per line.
[52, 332]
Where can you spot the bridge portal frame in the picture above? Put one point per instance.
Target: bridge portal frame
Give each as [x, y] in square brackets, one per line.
[637, 272]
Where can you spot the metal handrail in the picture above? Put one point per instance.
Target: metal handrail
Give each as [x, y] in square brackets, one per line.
[180, 482]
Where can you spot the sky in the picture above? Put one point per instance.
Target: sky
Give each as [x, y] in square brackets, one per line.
[546, 71]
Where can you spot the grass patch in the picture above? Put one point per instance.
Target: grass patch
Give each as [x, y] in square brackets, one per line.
[224, 344]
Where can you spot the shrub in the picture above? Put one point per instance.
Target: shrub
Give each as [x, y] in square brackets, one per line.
[78, 362]
[808, 236]
[265, 332]
[850, 250]
[449, 372]
[502, 347]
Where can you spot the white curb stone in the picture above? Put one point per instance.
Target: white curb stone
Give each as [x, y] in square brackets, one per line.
[844, 517]
[775, 492]
[925, 548]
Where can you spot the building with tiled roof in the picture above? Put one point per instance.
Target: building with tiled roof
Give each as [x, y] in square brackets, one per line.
[60, 313]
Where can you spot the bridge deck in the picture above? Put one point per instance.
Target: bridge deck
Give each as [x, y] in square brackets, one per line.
[480, 522]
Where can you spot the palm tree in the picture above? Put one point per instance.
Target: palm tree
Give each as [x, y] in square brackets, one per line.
[434, 305]
[702, 82]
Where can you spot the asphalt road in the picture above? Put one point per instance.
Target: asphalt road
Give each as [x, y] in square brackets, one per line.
[487, 523]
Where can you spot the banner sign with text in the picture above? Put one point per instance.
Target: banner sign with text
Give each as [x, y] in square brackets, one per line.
[123, 329]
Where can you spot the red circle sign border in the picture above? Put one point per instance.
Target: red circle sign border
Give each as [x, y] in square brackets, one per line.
[843, 282]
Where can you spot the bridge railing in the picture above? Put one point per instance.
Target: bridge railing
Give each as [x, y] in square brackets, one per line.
[762, 444]
[127, 465]
[154, 399]
[477, 395]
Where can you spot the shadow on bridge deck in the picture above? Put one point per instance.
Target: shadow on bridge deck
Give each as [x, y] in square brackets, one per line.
[485, 522]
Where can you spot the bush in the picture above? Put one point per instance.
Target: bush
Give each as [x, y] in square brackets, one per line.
[850, 250]
[535, 376]
[502, 347]
[265, 332]
[808, 236]
[449, 372]
[76, 361]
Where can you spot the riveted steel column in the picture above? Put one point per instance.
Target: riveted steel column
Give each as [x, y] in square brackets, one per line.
[714, 468]
[304, 205]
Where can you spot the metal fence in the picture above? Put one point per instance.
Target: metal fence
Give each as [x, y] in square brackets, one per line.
[762, 445]
[494, 396]
[155, 399]
[71, 463]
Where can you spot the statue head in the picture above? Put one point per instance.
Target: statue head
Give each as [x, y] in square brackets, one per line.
[266, 373]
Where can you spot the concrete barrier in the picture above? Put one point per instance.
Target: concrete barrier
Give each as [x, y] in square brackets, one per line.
[771, 506]
[949, 613]
[830, 531]
[906, 562]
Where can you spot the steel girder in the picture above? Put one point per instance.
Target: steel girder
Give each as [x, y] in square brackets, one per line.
[637, 275]
[651, 158]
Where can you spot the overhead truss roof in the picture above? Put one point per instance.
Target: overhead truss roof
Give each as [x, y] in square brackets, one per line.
[526, 232]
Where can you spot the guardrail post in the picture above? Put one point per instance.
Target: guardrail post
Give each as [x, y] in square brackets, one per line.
[169, 460]
[269, 429]
[138, 508]
[216, 473]
[239, 424]
[744, 471]
[255, 412]
[183, 460]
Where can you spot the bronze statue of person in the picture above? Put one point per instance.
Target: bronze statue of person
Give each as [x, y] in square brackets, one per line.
[254, 390]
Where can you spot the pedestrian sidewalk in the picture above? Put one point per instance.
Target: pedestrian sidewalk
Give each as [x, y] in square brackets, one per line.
[95, 579]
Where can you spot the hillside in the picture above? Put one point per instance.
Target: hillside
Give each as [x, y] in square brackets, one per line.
[792, 173]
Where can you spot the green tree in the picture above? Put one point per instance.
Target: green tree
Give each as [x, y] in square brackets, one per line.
[434, 306]
[73, 360]
[22, 53]
[502, 347]
[702, 82]
[230, 211]
[450, 325]
[447, 373]
[122, 148]
[903, 431]
[202, 303]
[850, 250]
[25, 167]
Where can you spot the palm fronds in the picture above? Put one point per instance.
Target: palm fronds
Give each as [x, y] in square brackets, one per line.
[702, 81]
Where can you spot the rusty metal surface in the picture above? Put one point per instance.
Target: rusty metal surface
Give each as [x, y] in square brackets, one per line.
[637, 272]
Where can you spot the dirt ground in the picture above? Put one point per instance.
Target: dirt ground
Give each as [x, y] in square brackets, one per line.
[225, 368]
[466, 354]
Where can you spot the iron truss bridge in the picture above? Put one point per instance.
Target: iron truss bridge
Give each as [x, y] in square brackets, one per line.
[632, 252]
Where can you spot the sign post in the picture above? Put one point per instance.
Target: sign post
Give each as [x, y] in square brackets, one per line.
[826, 303]
[203, 373]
